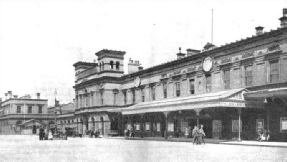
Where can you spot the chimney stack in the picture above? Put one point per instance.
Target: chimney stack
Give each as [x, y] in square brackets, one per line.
[0, 100]
[6, 96]
[191, 52]
[133, 66]
[9, 94]
[38, 95]
[259, 30]
[180, 55]
[283, 19]
[15, 96]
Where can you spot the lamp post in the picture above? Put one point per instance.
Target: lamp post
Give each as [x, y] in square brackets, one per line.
[56, 132]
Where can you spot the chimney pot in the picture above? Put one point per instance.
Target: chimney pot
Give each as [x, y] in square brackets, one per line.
[283, 19]
[38, 95]
[259, 30]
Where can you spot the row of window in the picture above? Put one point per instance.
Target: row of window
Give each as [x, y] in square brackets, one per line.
[273, 76]
[19, 109]
[112, 65]
[248, 77]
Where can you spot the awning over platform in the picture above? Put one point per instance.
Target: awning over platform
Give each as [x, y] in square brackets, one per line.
[277, 92]
[230, 98]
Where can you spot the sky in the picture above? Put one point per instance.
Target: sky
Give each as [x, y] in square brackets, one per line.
[40, 40]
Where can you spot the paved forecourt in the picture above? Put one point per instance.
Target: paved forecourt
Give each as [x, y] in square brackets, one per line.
[29, 148]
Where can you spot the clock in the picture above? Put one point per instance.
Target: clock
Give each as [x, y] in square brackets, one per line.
[137, 82]
[207, 64]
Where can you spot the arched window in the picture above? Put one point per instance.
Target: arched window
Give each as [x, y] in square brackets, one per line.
[112, 64]
[118, 65]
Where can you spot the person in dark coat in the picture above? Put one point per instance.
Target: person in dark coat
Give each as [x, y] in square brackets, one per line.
[196, 135]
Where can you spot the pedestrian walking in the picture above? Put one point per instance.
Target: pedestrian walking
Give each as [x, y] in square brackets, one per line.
[195, 134]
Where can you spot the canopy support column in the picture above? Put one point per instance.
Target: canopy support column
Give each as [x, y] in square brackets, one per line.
[197, 115]
[166, 124]
[142, 126]
[239, 124]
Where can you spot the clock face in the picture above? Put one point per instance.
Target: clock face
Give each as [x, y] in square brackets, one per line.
[207, 64]
[137, 82]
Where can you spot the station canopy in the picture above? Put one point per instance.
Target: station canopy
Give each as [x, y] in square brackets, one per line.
[229, 98]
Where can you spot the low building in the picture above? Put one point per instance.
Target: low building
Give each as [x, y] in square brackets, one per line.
[23, 115]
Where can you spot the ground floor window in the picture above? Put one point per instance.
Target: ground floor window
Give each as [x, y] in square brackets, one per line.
[259, 124]
[137, 127]
[158, 127]
[170, 127]
[184, 125]
[235, 126]
[147, 126]
[216, 126]
[283, 124]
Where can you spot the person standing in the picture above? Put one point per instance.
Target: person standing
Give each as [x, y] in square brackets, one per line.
[186, 132]
[50, 136]
[201, 131]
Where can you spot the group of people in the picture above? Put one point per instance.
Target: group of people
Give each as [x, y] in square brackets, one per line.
[129, 133]
[198, 134]
[42, 134]
[263, 135]
[93, 133]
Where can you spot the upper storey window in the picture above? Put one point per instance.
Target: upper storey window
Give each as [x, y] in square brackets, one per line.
[164, 85]
[30, 109]
[177, 89]
[125, 97]
[112, 64]
[152, 92]
[134, 95]
[117, 65]
[191, 86]
[18, 109]
[227, 79]
[274, 71]
[40, 109]
[248, 75]
[143, 94]
[208, 83]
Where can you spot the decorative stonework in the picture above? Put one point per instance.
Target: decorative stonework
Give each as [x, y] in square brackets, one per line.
[226, 60]
[273, 47]
[191, 69]
[247, 54]
[177, 72]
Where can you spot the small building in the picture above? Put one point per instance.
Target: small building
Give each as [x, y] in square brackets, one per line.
[23, 115]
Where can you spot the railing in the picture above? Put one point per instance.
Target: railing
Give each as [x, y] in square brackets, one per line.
[87, 73]
[27, 116]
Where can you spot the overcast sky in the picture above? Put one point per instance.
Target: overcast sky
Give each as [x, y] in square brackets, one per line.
[41, 40]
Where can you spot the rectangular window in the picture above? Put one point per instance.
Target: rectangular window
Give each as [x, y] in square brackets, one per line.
[248, 76]
[227, 79]
[115, 98]
[134, 95]
[18, 109]
[40, 110]
[208, 83]
[191, 86]
[274, 71]
[177, 89]
[125, 97]
[142, 92]
[152, 92]
[102, 98]
[164, 90]
[29, 109]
